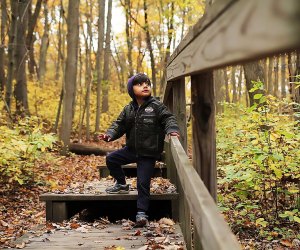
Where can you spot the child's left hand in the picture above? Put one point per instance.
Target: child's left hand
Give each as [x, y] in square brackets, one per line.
[173, 134]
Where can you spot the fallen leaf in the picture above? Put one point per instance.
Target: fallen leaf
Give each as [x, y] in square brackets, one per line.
[137, 233]
[3, 223]
[286, 243]
[20, 246]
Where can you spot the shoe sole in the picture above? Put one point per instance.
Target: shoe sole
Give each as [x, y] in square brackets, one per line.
[119, 192]
[141, 223]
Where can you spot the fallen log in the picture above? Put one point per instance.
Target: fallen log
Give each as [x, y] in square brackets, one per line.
[81, 149]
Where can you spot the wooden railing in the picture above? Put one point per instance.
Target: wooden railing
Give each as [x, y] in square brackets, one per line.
[231, 32]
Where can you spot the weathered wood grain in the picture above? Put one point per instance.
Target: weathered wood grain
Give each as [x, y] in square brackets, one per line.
[211, 227]
[179, 109]
[247, 30]
[104, 196]
[93, 238]
[212, 13]
[203, 126]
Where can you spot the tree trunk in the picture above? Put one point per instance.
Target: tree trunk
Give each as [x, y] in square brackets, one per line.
[44, 47]
[32, 67]
[11, 51]
[106, 59]
[141, 55]
[150, 49]
[59, 38]
[294, 72]
[276, 71]
[71, 72]
[101, 6]
[270, 87]
[2, 41]
[20, 91]
[129, 36]
[227, 98]
[253, 72]
[170, 25]
[88, 69]
[233, 83]
[219, 90]
[283, 76]
[240, 83]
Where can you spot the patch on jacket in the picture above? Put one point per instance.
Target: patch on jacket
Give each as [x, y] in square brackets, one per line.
[149, 109]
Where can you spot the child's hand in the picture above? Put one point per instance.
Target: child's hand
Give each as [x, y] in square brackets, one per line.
[173, 134]
[104, 137]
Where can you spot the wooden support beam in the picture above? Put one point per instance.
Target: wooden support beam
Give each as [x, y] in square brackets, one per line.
[203, 125]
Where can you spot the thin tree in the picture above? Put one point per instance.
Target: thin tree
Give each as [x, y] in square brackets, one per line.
[254, 72]
[107, 54]
[10, 54]
[60, 38]
[283, 76]
[227, 97]
[149, 46]
[270, 85]
[71, 72]
[276, 73]
[30, 38]
[4, 18]
[88, 66]
[44, 46]
[20, 91]
[170, 25]
[240, 83]
[129, 38]
[219, 90]
[233, 83]
[101, 10]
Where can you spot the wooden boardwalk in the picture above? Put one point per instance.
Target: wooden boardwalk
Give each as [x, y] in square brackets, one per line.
[111, 236]
[92, 196]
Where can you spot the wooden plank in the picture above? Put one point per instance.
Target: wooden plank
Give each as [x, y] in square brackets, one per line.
[59, 211]
[94, 238]
[212, 13]
[166, 92]
[211, 227]
[203, 126]
[179, 106]
[49, 211]
[247, 30]
[104, 196]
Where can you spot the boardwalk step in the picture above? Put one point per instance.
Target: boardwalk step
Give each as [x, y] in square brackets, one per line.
[160, 170]
[61, 206]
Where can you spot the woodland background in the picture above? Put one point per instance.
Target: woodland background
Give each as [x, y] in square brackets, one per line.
[63, 74]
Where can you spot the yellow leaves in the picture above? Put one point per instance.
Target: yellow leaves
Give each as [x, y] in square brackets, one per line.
[277, 171]
[261, 222]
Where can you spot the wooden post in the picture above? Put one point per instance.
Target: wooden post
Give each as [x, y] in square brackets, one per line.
[179, 109]
[203, 122]
[59, 211]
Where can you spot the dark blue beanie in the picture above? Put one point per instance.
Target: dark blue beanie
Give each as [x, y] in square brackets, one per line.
[130, 87]
[138, 78]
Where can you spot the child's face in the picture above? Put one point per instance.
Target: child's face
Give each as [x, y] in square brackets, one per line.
[142, 89]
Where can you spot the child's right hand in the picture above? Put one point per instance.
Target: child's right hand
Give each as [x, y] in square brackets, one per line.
[104, 137]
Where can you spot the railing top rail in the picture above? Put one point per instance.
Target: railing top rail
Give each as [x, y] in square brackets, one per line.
[212, 228]
[236, 32]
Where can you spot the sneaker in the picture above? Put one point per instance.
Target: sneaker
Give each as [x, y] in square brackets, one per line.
[141, 219]
[118, 189]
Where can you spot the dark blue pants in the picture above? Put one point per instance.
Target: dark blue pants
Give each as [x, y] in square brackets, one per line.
[145, 167]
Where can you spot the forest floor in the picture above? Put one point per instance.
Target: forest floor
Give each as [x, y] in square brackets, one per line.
[21, 211]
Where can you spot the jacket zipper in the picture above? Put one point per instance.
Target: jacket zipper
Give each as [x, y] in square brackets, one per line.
[135, 124]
